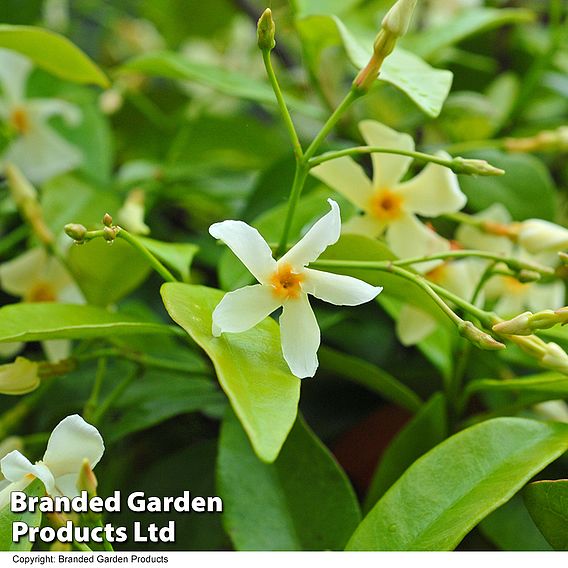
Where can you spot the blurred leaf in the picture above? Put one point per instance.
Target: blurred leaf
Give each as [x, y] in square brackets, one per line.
[174, 66]
[174, 255]
[511, 527]
[107, 273]
[52, 52]
[554, 385]
[370, 376]
[38, 321]
[7, 518]
[304, 8]
[444, 494]
[547, 502]
[428, 428]
[470, 22]
[302, 501]
[249, 365]
[525, 177]
[159, 396]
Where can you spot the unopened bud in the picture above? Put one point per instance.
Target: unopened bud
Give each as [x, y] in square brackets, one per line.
[265, 31]
[76, 231]
[20, 188]
[525, 276]
[537, 235]
[397, 20]
[479, 338]
[107, 220]
[475, 167]
[109, 234]
[87, 480]
[555, 358]
[519, 325]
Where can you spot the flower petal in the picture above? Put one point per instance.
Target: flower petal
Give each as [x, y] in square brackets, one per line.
[300, 336]
[42, 154]
[19, 377]
[244, 308]
[67, 484]
[388, 169]
[72, 441]
[6, 489]
[414, 325]
[43, 109]
[545, 296]
[366, 225]
[435, 190]
[16, 467]
[56, 349]
[348, 178]
[338, 289]
[14, 71]
[248, 245]
[408, 237]
[537, 235]
[322, 234]
[17, 276]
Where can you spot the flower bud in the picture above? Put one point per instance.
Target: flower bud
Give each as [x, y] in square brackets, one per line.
[265, 31]
[109, 234]
[475, 167]
[19, 377]
[76, 231]
[398, 17]
[525, 276]
[519, 325]
[479, 338]
[555, 358]
[107, 220]
[537, 235]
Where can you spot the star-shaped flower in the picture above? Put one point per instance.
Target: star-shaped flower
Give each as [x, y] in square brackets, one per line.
[286, 283]
[37, 149]
[388, 205]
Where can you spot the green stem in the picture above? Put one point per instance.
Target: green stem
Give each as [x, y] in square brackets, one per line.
[300, 176]
[91, 404]
[351, 96]
[82, 546]
[152, 260]
[472, 145]
[359, 150]
[13, 238]
[298, 152]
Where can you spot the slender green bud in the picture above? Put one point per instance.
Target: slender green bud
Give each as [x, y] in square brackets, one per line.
[526, 276]
[265, 31]
[470, 166]
[479, 338]
[76, 231]
[398, 18]
[107, 220]
[519, 325]
[555, 358]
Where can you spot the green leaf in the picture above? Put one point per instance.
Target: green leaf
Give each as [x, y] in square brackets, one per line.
[7, 518]
[547, 502]
[370, 376]
[427, 429]
[40, 321]
[303, 501]
[448, 491]
[304, 8]
[147, 402]
[525, 176]
[174, 255]
[52, 52]
[470, 22]
[249, 365]
[511, 527]
[174, 66]
[107, 273]
[554, 385]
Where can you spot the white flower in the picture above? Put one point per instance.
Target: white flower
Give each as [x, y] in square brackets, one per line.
[72, 441]
[537, 235]
[390, 206]
[397, 19]
[36, 276]
[287, 283]
[38, 150]
[19, 377]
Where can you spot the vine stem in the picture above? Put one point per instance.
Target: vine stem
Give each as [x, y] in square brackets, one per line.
[91, 404]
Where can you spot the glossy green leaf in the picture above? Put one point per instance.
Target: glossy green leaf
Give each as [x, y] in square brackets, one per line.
[303, 501]
[249, 365]
[174, 66]
[370, 376]
[449, 490]
[525, 176]
[7, 518]
[427, 429]
[41, 321]
[511, 528]
[159, 396]
[177, 256]
[470, 22]
[547, 502]
[554, 385]
[52, 52]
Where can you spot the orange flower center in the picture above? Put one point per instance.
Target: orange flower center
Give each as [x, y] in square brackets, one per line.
[437, 274]
[386, 205]
[41, 292]
[19, 120]
[286, 283]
